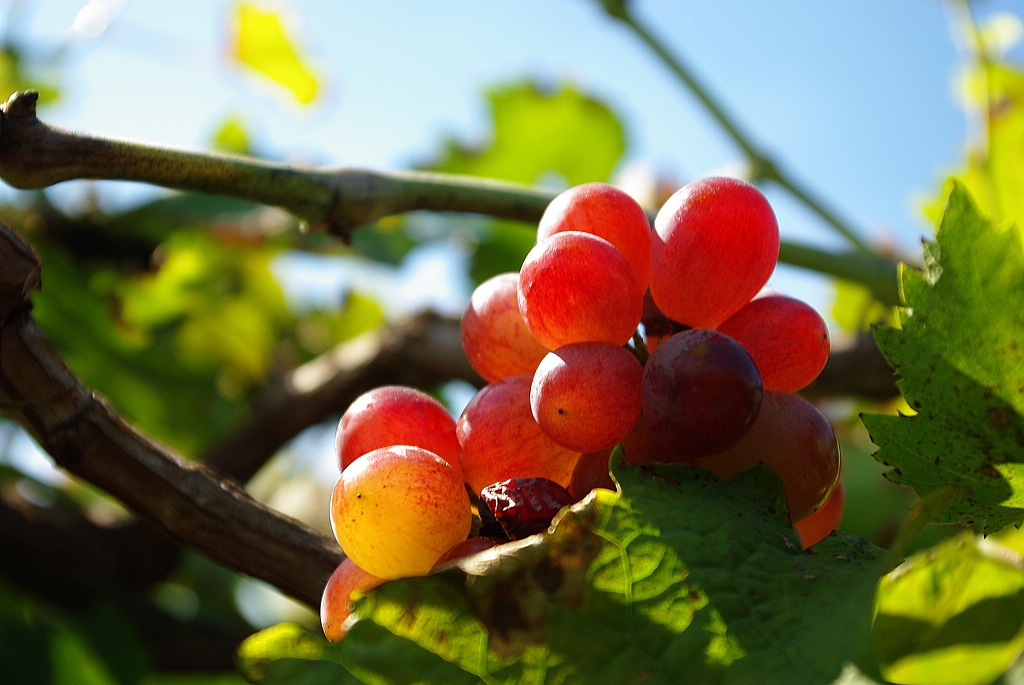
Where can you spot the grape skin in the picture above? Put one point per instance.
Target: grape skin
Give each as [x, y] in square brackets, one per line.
[603, 210]
[523, 506]
[701, 392]
[786, 337]
[494, 335]
[794, 438]
[822, 521]
[591, 472]
[336, 603]
[499, 439]
[714, 246]
[586, 396]
[397, 509]
[576, 287]
[396, 415]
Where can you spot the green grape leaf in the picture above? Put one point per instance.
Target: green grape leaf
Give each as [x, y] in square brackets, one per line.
[960, 355]
[855, 307]
[952, 615]
[288, 654]
[679, 577]
[261, 43]
[539, 133]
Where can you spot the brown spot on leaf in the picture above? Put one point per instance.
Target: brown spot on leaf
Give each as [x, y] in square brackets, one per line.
[997, 417]
[548, 575]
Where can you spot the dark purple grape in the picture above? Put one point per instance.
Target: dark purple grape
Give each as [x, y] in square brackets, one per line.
[701, 392]
[523, 506]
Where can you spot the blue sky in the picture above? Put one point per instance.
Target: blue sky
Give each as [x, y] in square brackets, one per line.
[854, 98]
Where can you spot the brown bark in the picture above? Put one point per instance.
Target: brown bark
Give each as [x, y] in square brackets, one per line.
[191, 503]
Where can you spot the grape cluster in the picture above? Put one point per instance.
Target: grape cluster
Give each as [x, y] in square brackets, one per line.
[665, 341]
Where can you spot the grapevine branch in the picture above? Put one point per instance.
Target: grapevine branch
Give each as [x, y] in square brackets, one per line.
[422, 351]
[188, 501]
[34, 154]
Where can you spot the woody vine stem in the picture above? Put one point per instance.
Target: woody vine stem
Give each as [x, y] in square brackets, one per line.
[34, 154]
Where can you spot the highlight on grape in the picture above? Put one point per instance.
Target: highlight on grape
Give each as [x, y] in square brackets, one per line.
[660, 339]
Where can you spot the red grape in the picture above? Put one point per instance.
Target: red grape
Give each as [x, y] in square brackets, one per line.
[796, 440]
[336, 603]
[787, 338]
[715, 244]
[576, 287]
[396, 415]
[397, 509]
[494, 335]
[586, 396]
[591, 472]
[701, 393]
[607, 212]
[640, 447]
[499, 438]
[816, 526]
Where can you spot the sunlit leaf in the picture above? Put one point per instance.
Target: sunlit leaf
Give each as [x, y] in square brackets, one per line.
[561, 135]
[288, 654]
[953, 615]
[960, 356]
[262, 44]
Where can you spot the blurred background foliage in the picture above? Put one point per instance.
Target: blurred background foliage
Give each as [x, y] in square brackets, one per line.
[182, 310]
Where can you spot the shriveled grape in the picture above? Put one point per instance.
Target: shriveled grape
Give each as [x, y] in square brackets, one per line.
[586, 396]
[397, 509]
[524, 506]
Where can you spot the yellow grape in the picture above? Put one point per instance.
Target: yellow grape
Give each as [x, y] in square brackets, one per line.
[397, 509]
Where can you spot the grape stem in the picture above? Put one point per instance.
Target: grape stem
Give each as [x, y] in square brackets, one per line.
[762, 166]
[639, 348]
[34, 154]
